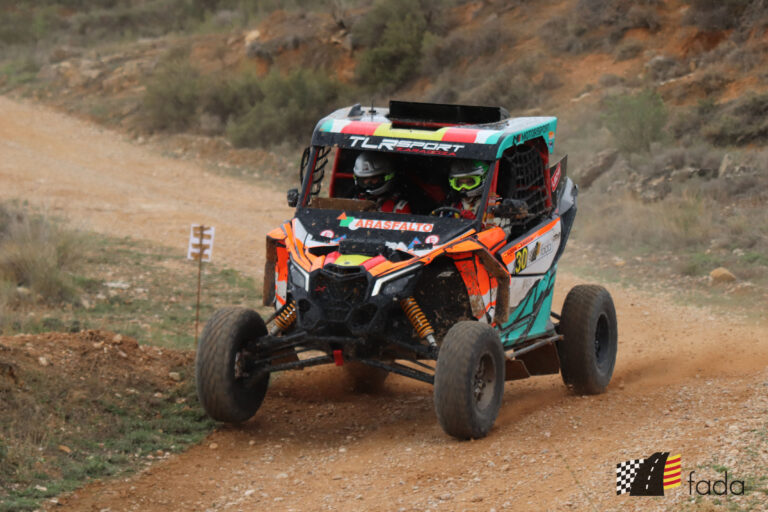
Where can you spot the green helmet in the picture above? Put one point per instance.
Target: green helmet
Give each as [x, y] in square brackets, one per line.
[467, 176]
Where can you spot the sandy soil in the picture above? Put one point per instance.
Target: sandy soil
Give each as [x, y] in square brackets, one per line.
[686, 380]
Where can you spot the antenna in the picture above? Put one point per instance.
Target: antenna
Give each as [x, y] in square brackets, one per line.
[373, 110]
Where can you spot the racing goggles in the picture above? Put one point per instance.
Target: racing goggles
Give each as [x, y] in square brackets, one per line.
[460, 183]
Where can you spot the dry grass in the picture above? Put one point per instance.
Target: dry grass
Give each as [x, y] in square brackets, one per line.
[37, 257]
[626, 223]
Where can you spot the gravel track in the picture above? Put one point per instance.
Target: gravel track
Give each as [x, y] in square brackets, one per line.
[686, 381]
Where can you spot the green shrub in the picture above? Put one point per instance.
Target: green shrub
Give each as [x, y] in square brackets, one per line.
[597, 24]
[231, 96]
[511, 88]
[490, 38]
[716, 14]
[288, 108]
[393, 32]
[396, 58]
[743, 121]
[172, 96]
[636, 121]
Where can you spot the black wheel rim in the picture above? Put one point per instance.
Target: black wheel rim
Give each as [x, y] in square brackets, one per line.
[602, 341]
[484, 381]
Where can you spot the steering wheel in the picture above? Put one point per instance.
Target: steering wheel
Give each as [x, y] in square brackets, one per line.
[446, 211]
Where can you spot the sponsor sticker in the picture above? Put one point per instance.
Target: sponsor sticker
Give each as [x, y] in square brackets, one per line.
[556, 176]
[327, 233]
[408, 146]
[432, 239]
[354, 223]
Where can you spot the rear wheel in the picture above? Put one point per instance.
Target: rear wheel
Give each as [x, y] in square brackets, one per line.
[469, 380]
[590, 339]
[364, 378]
[226, 390]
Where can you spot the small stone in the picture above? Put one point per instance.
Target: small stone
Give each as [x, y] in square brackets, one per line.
[251, 442]
[476, 499]
[174, 376]
[43, 361]
[709, 424]
[41, 488]
[66, 449]
[342, 450]
[213, 446]
[445, 496]
[117, 339]
[721, 275]
[337, 477]
[248, 492]
[281, 476]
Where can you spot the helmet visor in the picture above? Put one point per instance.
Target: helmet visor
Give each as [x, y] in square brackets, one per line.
[373, 182]
[460, 183]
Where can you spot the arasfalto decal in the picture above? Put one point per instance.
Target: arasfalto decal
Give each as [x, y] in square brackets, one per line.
[354, 223]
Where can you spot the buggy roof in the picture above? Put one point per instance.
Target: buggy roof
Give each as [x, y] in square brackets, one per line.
[459, 131]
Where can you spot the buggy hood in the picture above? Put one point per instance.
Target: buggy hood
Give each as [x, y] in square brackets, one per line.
[374, 233]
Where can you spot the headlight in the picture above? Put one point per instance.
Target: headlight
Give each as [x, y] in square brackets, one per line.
[299, 277]
[395, 287]
[395, 283]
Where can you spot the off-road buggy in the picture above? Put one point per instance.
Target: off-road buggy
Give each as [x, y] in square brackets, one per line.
[463, 303]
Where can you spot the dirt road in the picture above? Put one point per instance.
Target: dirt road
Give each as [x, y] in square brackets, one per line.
[686, 381]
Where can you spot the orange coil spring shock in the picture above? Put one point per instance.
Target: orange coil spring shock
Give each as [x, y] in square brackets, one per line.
[419, 320]
[287, 316]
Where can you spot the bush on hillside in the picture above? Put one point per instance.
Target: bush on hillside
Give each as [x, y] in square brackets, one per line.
[458, 45]
[172, 96]
[288, 109]
[229, 97]
[716, 14]
[636, 121]
[393, 32]
[743, 121]
[596, 24]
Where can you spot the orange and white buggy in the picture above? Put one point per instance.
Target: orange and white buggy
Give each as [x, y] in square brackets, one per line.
[454, 298]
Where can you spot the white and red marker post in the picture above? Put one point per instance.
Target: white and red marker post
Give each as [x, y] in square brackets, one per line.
[200, 248]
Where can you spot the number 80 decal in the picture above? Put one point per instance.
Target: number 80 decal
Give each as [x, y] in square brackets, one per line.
[521, 260]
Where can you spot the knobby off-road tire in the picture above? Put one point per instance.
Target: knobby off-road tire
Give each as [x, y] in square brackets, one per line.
[469, 380]
[590, 339]
[224, 396]
[363, 378]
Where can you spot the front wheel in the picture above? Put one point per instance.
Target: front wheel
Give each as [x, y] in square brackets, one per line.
[227, 391]
[590, 339]
[469, 380]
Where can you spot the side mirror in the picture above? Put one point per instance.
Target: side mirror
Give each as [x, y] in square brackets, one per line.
[293, 197]
[511, 209]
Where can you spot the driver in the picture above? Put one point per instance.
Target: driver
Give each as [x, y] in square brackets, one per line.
[466, 179]
[375, 176]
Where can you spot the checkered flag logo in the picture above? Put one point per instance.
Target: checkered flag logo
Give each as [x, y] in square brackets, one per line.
[625, 475]
[650, 476]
